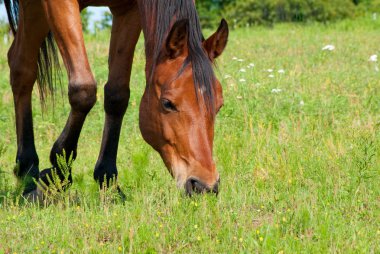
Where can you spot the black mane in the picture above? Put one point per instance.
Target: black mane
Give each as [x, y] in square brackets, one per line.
[160, 15]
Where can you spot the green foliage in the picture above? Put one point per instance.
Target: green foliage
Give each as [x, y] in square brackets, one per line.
[104, 24]
[272, 11]
[55, 186]
[268, 12]
[85, 17]
[369, 6]
[210, 11]
[106, 21]
[4, 27]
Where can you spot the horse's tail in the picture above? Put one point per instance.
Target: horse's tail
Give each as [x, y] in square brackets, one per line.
[48, 74]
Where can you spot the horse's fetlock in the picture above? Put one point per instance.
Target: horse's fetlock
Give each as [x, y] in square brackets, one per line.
[58, 150]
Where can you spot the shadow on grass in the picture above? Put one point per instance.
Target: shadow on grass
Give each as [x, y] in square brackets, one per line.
[58, 191]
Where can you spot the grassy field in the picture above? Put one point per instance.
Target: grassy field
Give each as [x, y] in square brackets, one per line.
[297, 145]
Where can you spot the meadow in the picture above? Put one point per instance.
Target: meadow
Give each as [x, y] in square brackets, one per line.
[297, 145]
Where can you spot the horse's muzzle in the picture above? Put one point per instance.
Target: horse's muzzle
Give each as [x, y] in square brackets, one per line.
[196, 186]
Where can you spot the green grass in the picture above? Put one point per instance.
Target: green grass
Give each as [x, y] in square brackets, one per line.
[295, 177]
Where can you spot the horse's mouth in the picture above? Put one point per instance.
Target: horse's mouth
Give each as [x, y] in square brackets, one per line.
[195, 186]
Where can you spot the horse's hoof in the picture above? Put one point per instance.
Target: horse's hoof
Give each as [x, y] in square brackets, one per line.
[46, 175]
[35, 196]
[51, 177]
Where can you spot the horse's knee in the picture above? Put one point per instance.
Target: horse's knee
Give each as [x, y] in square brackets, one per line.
[82, 95]
[116, 98]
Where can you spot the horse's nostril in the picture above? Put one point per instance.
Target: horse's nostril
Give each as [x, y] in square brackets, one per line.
[198, 187]
[195, 186]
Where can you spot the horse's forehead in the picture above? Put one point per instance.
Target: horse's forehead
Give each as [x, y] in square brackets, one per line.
[174, 75]
[182, 88]
[177, 80]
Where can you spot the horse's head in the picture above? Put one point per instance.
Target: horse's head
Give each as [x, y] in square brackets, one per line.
[177, 116]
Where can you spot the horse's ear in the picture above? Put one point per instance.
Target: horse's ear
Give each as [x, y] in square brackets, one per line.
[217, 42]
[176, 43]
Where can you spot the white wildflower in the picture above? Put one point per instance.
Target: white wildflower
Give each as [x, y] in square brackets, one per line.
[243, 70]
[329, 47]
[282, 71]
[270, 70]
[373, 58]
[227, 76]
[276, 90]
[271, 75]
[240, 60]
[5, 39]
[239, 97]
[302, 103]
[242, 80]
[234, 58]
[251, 65]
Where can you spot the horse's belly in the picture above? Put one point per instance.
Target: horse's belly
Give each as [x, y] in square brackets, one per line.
[109, 3]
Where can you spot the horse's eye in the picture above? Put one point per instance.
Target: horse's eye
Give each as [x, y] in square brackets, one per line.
[168, 105]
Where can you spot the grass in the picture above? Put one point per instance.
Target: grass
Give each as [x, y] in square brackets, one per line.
[299, 164]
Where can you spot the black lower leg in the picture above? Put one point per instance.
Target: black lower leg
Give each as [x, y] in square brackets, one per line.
[105, 169]
[27, 168]
[82, 99]
[26, 159]
[116, 102]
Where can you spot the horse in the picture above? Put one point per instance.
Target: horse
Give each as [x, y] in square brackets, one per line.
[178, 107]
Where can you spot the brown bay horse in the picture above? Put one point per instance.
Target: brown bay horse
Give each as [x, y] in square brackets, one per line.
[181, 98]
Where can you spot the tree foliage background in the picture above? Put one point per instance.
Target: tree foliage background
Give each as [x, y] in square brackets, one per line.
[268, 12]
[262, 12]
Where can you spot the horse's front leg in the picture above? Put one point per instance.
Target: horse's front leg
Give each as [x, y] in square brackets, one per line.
[125, 33]
[64, 21]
